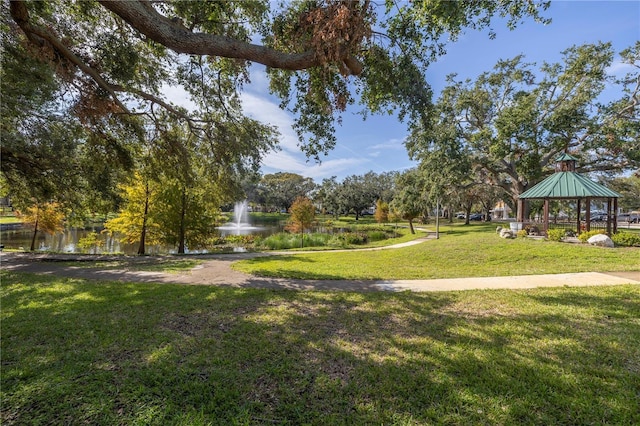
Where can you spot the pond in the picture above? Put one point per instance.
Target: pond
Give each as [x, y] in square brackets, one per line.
[19, 237]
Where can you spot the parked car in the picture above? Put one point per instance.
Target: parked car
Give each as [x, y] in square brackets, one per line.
[476, 216]
[599, 218]
[460, 216]
[631, 218]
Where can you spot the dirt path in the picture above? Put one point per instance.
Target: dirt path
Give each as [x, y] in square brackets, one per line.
[216, 270]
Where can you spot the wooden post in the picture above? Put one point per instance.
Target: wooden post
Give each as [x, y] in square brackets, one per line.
[615, 215]
[587, 216]
[609, 217]
[578, 220]
[546, 215]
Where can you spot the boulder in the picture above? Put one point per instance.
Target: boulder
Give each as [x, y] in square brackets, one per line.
[498, 229]
[506, 233]
[600, 240]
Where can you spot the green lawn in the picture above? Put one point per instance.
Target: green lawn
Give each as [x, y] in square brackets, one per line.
[104, 353]
[9, 219]
[462, 251]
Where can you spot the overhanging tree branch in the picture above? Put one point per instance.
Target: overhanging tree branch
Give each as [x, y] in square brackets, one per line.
[143, 17]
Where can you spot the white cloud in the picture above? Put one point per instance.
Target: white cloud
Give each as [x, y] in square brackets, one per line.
[326, 169]
[296, 163]
[267, 112]
[259, 80]
[178, 96]
[390, 144]
[619, 68]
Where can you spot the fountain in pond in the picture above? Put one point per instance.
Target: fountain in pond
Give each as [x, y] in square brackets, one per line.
[240, 224]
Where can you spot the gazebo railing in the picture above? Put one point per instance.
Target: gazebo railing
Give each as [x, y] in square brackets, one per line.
[570, 225]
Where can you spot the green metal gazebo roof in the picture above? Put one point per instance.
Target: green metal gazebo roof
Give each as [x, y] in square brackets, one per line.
[568, 185]
[566, 157]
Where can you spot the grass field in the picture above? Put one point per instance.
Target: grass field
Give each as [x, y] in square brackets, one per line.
[104, 353]
[9, 220]
[462, 251]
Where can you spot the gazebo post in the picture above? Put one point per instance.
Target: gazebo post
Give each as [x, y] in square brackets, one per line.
[578, 220]
[609, 216]
[546, 215]
[615, 216]
[587, 216]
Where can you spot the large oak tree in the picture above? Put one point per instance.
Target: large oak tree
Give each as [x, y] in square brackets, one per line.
[513, 122]
[117, 57]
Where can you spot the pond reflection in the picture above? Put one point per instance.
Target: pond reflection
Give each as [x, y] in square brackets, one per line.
[19, 238]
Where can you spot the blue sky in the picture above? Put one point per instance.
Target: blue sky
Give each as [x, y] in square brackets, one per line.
[377, 143]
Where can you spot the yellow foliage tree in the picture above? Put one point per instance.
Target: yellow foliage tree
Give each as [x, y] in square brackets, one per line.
[133, 223]
[302, 214]
[45, 217]
[382, 212]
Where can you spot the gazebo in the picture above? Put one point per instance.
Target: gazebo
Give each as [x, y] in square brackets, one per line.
[566, 184]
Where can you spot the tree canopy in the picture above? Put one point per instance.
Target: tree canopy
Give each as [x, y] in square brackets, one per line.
[511, 123]
[117, 57]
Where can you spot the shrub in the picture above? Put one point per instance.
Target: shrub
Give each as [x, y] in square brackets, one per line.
[346, 239]
[555, 234]
[626, 239]
[279, 241]
[584, 236]
[284, 240]
[522, 233]
[354, 238]
[376, 235]
[315, 240]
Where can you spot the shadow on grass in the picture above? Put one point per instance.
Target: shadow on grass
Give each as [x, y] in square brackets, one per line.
[77, 351]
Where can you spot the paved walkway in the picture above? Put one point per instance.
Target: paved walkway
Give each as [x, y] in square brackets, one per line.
[216, 270]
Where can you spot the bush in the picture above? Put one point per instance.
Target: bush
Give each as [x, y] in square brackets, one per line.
[376, 235]
[584, 236]
[279, 241]
[626, 239]
[336, 241]
[315, 240]
[355, 238]
[555, 234]
[346, 239]
[284, 240]
[522, 233]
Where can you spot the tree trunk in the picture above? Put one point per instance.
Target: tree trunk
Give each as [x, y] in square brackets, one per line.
[181, 236]
[411, 226]
[143, 233]
[35, 232]
[467, 213]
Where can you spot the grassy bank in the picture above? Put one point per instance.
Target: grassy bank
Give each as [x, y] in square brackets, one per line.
[462, 251]
[75, 351]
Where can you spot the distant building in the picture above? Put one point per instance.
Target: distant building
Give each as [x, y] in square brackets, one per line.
[501, 210]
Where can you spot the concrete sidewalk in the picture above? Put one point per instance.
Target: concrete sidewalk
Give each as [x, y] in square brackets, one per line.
[581, 279]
